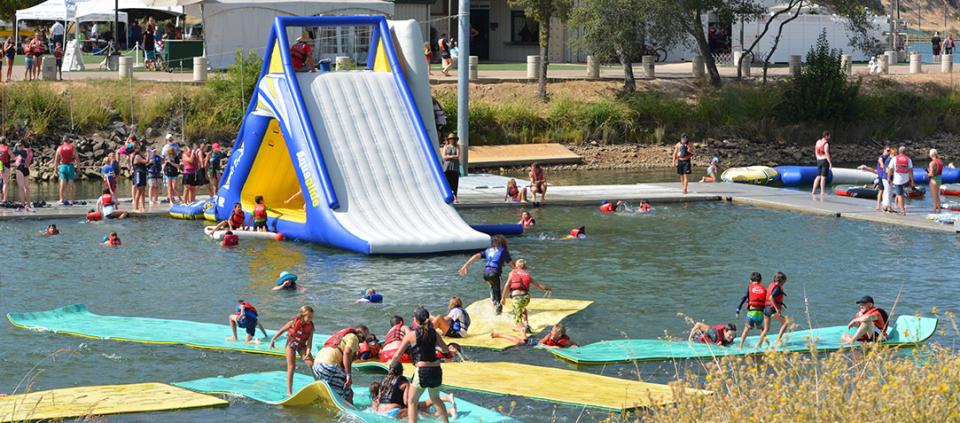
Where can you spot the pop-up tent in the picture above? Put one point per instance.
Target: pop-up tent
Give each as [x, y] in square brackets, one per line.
[50, 10]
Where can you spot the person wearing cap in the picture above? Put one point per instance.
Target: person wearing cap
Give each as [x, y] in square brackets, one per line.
[682, 157]
[451, 164]
[286, 280]
[301, 54]
[870, 321]
[713, 171]
[214, 165]
[935, 172]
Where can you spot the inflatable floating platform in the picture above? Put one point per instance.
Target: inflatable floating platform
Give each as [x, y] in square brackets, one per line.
[870, 193]
[756, 175]
[952, 189]
[242, 234]
[192, 211]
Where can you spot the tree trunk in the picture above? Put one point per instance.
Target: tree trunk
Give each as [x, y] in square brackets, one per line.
[629, 82]
[697, 31]
[544, 43]
[776, 40]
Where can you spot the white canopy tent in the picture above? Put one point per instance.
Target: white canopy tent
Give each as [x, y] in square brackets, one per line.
[97, 11]
[230, 25]
[50, 10]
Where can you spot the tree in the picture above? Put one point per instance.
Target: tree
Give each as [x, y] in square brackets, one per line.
[8, 8]
[543, 11]
[621, 31]
[688, 15]
[822, 92]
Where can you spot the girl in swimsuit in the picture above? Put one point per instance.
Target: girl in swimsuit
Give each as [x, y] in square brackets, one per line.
[299, 332]
[10, 53]
[514, 193]
[23, 158]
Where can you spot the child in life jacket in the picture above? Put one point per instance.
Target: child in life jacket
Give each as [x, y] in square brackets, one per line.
[644, 207]
[236, 220]
[299, 331]
[608, 207]
[51, 231]
[577, 233]
[260, 210]
[527, 220]
[247, 318]
[369, 348]
[112, 240]
[756, 300]
[722, 335]
[230, 239]
[557, 338]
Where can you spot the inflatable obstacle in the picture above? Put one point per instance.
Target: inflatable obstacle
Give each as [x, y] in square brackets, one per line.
[756, 175]
[499, 229]
[869, 192]
[354, 151]
[950, 218]
[542, 314]
[192, 211]
[78, 321]
[271, 388]
[907, 330]
[952, 189]
[84, 401]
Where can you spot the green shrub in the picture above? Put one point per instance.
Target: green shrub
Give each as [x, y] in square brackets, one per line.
[821, 93]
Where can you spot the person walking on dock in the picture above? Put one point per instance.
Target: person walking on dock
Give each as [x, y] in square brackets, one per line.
[682, 157]
[824, 164]
[901, 167]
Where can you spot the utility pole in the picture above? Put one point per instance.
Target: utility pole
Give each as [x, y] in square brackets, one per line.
[463, 84]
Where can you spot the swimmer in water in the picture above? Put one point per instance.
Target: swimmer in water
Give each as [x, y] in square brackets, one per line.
[370, 296]
[527, 220]
[112, 240]
[51, 230]
[644, 207]
[230, 239]
[608, 207]
[287, 280]
[577, 233]
[557, 338]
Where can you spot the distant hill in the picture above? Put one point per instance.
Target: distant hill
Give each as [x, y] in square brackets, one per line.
[930, 15]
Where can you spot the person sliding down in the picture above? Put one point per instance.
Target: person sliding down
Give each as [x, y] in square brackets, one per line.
[557, 338]
[608, 207]
[299, 332]
[774, 308]
[518, 285]
[247, 318]
[870, 321]
[756, 299]
[427, 375]
[722, 335]
[334, 362]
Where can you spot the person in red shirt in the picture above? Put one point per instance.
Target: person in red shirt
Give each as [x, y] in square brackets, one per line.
[58, 54]
[64, 161]
[6, 157]
[301, 54]
[538, 183]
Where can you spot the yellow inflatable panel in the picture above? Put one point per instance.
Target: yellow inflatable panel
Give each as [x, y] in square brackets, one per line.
[543, 313]
[567, 387]
[380, 62]
[276, 65]
[100, 400]
[274, 177]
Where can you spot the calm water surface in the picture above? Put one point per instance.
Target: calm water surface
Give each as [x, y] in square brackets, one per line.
[643, 272]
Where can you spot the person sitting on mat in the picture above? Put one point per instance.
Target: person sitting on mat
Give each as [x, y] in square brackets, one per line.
[112, 240]
[870, 321]
[457, 321]
[51, 231]
[247, 318]
[388, 396]
[299, 331]
[370, 296]
[722, 335]
[260, 214]
[518, 287]
[236, 220]
[756, 299]
[514, 193]
[370, 348]
[557, 338]
[286, 280]
[527, 220]
[108, 207]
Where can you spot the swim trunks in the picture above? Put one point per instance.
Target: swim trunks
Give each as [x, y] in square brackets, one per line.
[684, 167]
[249, 324]
[67, 171]
[428, 377]
[823, 167]
[520, 304]
[335, 377]
[754, 319]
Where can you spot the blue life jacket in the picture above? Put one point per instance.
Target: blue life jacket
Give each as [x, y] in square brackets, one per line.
[458, 325]
[374, 298]
[493, 261]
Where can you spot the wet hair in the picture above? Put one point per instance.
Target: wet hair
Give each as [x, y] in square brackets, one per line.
[371, 338]
[258, 199]
[456, 347]
[498, 241]
[731, 327]
[755, 277]
[780, 277]
[229, 232]
[396, 320]
[455, 301]
[106, 190]
[362, 331]
[395, 371]
[374, 390]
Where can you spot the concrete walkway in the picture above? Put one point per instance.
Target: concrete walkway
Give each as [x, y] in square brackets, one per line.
[488, 191]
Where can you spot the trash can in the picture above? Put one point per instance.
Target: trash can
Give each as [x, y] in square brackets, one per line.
[324, 65]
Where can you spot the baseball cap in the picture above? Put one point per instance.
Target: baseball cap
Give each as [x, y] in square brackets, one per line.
[865, 300]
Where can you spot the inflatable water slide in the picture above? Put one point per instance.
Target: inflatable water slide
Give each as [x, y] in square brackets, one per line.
[356, 144]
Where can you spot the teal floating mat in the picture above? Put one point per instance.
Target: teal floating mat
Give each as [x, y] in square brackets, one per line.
[271, 388]
[907, 330]
[77, 320]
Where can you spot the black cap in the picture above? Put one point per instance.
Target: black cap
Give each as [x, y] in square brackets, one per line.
[865, 299]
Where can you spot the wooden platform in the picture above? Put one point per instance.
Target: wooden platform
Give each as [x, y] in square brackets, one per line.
[521, 155]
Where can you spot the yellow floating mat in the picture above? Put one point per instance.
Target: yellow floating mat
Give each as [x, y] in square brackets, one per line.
[552, 384]
[543, 313]
[100, 400]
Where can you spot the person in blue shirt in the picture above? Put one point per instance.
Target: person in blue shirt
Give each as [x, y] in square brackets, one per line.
[494, 258]
[109, 173]
[370, 296]
[246, 317]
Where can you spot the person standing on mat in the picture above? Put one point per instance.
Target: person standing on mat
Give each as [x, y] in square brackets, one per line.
[451, 164]
[334, 362]
[756, 299]
[901, 169]
[682, 157]
[299, 332]
[518, 286]
[494, 259]
[774, 308]
[247, 318]
[427, 375]
[822, 151]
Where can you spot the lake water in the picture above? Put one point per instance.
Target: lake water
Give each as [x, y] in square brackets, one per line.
[645, 273]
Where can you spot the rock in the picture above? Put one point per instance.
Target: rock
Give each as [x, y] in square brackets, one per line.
[152, 132]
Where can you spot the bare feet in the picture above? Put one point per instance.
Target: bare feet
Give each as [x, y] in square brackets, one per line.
[231, 338]
[453, 406]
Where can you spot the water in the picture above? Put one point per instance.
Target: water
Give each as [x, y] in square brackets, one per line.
[641, 271]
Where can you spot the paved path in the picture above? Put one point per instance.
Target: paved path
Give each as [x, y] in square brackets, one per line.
[487, 191]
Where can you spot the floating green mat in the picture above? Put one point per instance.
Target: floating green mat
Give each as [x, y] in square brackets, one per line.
[271, 387]
[77, 320]
[908, 330]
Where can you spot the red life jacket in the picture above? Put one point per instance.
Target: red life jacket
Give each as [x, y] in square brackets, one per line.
[879, 322]
[334, 340]
[299, 53]
[771, 300]
[114, 242]
[236, 219]
[260, 212]
[757, 297]
[563, 342]
[94, 216]
[247, 306]
[520, 280]
[393, 334]
[67, 153]
[575, 232]
[721, 332]
[5, 154]
[106, 200]
[901, 163]
[230, 240]
[527, 221]
[937, 166]
[299, 332]
[607, 208]
[821, 147]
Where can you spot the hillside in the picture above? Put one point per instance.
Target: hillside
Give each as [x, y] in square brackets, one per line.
[930, 14]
